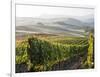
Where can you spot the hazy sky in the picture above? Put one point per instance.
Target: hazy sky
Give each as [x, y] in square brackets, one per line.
[41, 11]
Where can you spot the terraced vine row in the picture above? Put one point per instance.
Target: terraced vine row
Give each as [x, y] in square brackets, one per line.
[40, 55]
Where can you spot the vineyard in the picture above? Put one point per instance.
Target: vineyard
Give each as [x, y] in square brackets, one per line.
[47, 53]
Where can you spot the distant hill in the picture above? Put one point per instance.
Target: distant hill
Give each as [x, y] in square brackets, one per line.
[59, 26]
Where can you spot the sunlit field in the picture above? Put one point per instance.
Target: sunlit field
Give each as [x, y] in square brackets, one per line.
[42, 52]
